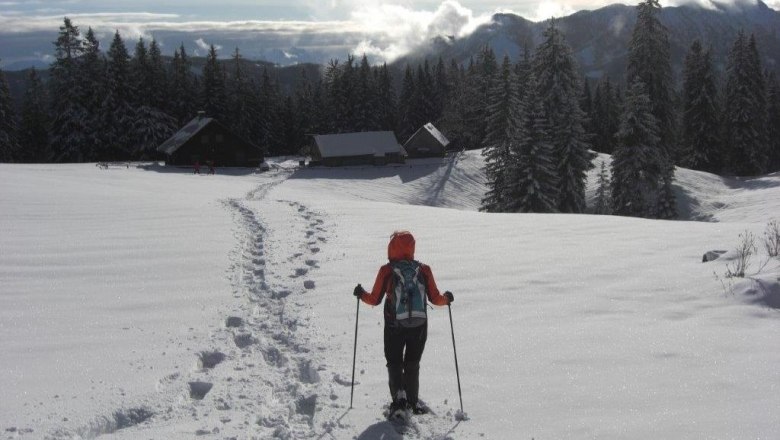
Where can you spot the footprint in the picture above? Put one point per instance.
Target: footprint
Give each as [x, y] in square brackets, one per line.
[308, 284]
[314, 250]
[243, 340]
[209, 359]
[299, 272]
[312, 263]
[198, 390]
[234, 321]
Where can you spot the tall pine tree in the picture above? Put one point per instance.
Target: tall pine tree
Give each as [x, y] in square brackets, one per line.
[9, 143]
[34, 124]
[700, 140]
[636, 169]
[560, 90]
[503, 116]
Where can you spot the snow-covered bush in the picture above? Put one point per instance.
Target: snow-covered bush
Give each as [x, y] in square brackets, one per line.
[772, 238]
[746, 248]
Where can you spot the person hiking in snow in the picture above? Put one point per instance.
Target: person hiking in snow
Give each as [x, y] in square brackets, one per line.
[407, 283]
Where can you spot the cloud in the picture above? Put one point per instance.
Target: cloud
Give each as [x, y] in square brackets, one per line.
[395, 30]
[205, 46]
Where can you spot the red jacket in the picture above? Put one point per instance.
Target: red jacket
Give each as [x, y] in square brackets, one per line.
[401, 247]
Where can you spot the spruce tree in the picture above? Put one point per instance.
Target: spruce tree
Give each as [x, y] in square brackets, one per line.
[69, 116]
[482, 80]
[242, 111]
[182, 95]
[159, 81]
[745, 109]
[213, 96]
[636, 168]
[453, 118]
[93, 74]
[773, 122]
[9, 143]
[603, 202]
[606, 117]
[560, 90]
[533, 181]
[387, 105]
[700, 140]
[503, 116]
[367, 101]
[649, 62]
[118, 109]
[34, 124]
[406, 105]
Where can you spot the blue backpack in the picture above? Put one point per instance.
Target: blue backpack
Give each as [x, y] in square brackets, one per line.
[410, 293]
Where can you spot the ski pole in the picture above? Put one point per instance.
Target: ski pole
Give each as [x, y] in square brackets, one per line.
[354, 353]
[455, 351]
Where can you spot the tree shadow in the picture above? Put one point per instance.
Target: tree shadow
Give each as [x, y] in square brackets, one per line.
[204, 169]
[412, 170]
[753, 183]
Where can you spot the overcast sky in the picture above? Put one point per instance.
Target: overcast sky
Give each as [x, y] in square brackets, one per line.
[383, 29]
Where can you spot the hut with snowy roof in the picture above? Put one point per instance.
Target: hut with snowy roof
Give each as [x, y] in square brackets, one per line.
[362, 148]
[426, 142]
[207, 140]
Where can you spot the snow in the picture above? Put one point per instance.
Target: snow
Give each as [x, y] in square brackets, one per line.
[373, 143]
[146, 302]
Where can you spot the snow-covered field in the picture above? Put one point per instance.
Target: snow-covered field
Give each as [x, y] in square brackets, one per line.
[142, 302]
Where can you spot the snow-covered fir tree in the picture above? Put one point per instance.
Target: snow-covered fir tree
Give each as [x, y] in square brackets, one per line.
[9, 143]
[560, 90]
[183, 94]
[745, 109]
[34, 121]
[159, 80]
[773, 121]
[387, 103]
[242, 109]
[649, 62]
[440, 89]
[366, 117]
[69, 116]
[424, 107]
[453, 121]
[93, 78]
[603, 202]
[406, 111]
[532, 173]
[606, 116]
[701, 148]
[213, 95]
[503, 116]
[636, 167]
[118, 108]
[482, 79]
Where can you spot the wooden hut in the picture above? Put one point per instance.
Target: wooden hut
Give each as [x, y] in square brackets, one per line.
[207, 140]
[426, 142]
[362, 148]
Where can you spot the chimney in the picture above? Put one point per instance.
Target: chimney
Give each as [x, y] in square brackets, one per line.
[201, 115]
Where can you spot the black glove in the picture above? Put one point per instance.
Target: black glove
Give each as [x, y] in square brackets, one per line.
[358, 292]
[449, 297]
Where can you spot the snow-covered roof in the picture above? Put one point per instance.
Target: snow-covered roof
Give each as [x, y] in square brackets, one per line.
[186, 133]
[436, 134]
[374, 143]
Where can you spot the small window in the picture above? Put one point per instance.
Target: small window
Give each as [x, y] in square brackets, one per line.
[220, 138]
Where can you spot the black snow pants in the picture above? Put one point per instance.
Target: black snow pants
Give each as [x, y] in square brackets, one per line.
[403, 350]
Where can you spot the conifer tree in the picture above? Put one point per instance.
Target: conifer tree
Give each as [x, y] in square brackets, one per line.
[700, 140]
[68, 113]
[304, 111]
[366, 117]
[117, 106]
[745, 109]
[93, 74]
[453, 118]
[503, 116]
[140, 73]
[603, 203]
[9, 143]
[242, 110]
[481, 80]
[773, 122]
[532, 172]
[559, 89]
[406, 105]
[649, 62]
[34, 124]
[159, 81]
[606, 116]
[472, 105]
[182, 95]
[387, 106]
[213, 95]
[440, 89]
[636, 168]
